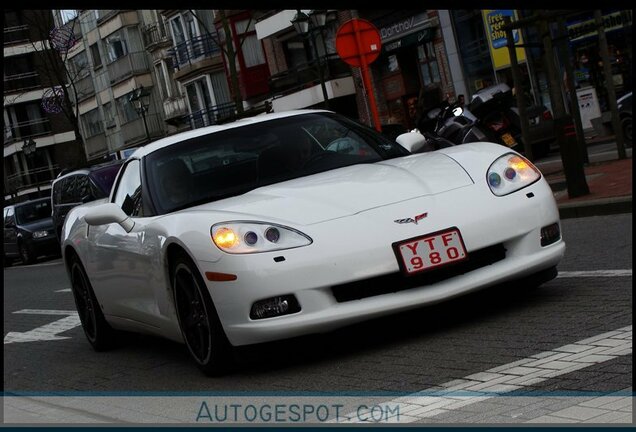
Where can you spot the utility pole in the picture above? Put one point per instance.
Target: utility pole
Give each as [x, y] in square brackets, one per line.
[521, 103]
[570, 156]
[571, 86]
[609, 84]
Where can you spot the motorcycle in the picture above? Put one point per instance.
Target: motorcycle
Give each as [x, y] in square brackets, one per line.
[489, 117]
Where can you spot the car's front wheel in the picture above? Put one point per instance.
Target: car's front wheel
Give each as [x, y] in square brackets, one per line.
[200, 325]
[100, 335]
[26, 255]
[626, 124]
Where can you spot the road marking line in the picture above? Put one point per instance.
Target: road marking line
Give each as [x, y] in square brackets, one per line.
[45, 312]
[537, 368]
[64, 290]
[595, 273]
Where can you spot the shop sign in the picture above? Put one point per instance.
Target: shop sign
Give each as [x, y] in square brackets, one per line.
[497, 41]
[418, 38]
[585, 29]
[405, 26]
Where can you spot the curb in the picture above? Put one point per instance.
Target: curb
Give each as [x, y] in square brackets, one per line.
[600, 207]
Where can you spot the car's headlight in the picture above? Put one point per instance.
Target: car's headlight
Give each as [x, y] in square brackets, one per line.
[244, 237]
[40, 234]
[511, 172]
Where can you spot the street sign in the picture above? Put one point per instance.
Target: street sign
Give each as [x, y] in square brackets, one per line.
[357, 39]
[358, 43]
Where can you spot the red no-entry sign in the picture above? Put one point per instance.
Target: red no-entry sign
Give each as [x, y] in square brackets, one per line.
[358, 38]
[358, 44]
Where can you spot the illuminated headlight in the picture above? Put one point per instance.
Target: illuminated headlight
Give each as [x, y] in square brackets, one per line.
[40, 234]
[253, 237]
[511, 172]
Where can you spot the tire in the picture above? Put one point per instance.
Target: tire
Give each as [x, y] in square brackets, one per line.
[626, 125]
[200, 326]
[26, 255]
[98, 332]
[540, 150]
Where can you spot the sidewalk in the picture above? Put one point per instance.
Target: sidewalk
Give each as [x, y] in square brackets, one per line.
[609, 180]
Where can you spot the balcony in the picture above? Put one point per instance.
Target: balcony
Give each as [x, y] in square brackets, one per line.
[96, 146]
[36, 177]
[127, 66]
[26, 129]
[22, 82]
[307, 75]
[193, 50]
[16, 34]
[216, 115]
[175, 107]
[155, 35]
[135, 132]
[84, 88]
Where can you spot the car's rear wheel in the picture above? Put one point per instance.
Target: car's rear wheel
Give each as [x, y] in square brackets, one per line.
[26, 255]
[100, 335]
[200, 325]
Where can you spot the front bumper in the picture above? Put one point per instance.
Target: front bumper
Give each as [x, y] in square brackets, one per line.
[364, 251]
[48, 245]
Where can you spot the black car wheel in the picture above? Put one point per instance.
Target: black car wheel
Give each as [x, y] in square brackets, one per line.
[200, 325]
[100, 335]
[25, 254]
[626, 124]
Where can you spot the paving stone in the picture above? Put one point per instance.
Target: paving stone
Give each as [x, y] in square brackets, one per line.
[579, 413]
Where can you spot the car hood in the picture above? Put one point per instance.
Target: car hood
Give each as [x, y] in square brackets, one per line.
[346, 191]
[39, 225]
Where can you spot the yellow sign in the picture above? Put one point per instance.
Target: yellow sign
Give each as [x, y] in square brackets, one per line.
[497, 42]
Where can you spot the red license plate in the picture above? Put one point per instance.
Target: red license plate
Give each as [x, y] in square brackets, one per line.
[430, 251]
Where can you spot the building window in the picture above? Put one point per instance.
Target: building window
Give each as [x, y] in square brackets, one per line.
[93, 123]
[97, 58]
[79, 65]
[251, 48]
[126, 110]
[428, 64]
[116, 46]
[109, 118]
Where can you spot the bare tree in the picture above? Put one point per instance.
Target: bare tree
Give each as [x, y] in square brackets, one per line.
[60, 78]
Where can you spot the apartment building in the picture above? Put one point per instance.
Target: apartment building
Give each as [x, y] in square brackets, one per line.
[37, 144]
[119, 104]
[305, 68]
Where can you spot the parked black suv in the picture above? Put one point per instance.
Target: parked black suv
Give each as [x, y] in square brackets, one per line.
[28, 231]
[81, 186]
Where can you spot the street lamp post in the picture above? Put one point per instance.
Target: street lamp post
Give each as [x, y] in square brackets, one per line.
[305, 25]
[140, 99]
[28, 148]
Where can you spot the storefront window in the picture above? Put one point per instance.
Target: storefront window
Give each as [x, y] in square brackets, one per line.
[428, 64]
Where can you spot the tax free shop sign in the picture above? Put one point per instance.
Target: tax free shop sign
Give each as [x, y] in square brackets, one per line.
[497, 42]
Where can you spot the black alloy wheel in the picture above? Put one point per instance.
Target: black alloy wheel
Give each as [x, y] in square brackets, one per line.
[97, 331]
[200, 326]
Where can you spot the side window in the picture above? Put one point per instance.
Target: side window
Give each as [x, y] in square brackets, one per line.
[9, 219]
[57, 192]
[68, 190]
[82, 188]
[95, 191]
[128, 193]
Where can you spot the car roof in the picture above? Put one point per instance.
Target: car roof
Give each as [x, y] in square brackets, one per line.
[173, 139]
[90, 169]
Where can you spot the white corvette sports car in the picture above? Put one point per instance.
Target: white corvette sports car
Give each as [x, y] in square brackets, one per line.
[294, 223]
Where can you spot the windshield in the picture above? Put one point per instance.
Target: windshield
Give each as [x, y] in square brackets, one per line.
[33, 212]
[105, 177]
[235, 161]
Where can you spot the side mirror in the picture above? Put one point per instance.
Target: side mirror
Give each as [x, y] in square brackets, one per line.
[412, 141]
[108, 213]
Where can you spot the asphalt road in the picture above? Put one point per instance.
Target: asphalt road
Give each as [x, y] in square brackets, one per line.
[401, 353]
